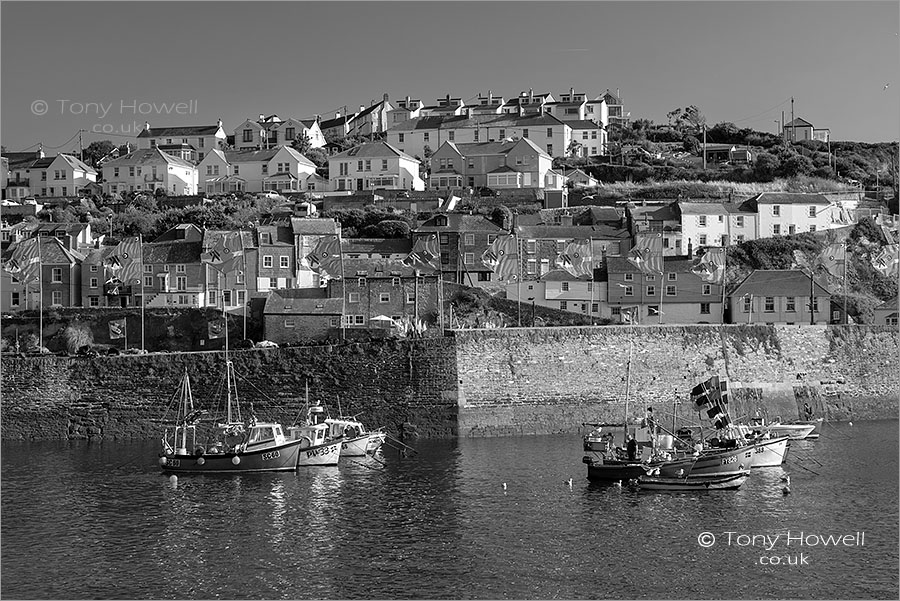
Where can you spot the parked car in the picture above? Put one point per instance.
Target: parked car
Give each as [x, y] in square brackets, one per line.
[266, 344]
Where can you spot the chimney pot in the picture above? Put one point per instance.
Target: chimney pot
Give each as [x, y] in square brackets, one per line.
[361, 108]
[385, 97]
[261, 117]
[147, 125]
[337, 115]
[219, 123]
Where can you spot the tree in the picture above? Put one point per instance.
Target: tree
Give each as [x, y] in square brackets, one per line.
[95, 151]
[765, 166]
[574, 148]
[389, 228]
[427, 152]
[302, 143]
[77, 335]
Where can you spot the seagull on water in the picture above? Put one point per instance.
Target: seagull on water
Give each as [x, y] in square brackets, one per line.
[504, 486]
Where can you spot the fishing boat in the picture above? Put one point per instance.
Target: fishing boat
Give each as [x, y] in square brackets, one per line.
[316, 446]
[356, 441]
[223, 447]
[793, 430]
[693, 483]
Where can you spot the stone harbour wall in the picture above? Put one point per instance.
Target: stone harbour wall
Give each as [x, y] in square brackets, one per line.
[494, 382]
[409, 388]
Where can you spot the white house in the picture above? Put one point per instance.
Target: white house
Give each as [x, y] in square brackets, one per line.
[374, 165]
[576, 106]
[270, 132]
[558, 289]
[783, 213]
[715, 224]
[148, 170]
[281, 169]
[504, 164]
[190, 143]
[62, 175]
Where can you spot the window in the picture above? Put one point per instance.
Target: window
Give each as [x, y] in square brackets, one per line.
[629, 291]
[615, 311]
[549, 132]
[361, 282]
[565, 286]
[650, 278]
[469, 258]
[248, 135]
[395, 282]
[284, 262]
[704, 308]
[56, 275]
[451, 135]
[400, 138]
[776, 229]
[701, 220]
[445, 258]
[550, 149]
[94, 282]
[265, 168]
[131, 171]
[502, 133]
[289, 322]
[359, 320]
[425, 136]
[410, 297]
[706, 289]
[384, 164]
[790, 304]
[226, 297]
[629, 277]
[812, 211]
[476, 135]
[181, 283]
[671, 290]
[469, 240]
[148, 281]
[740, 238]
[524, 133]
[530, 246]
[651, 290]
[770, 304]
[267, 261]
[14, 299]
[776, 210]
[353, 297]
[815, 305]
[96, 268]
[273, 282]
[368, 164]
[56, 297]
[812, 227]
[384, 297]
[747, 304]
[739, 221]
[672, 276]
[179, 269]
[702, 239]
[564, 305]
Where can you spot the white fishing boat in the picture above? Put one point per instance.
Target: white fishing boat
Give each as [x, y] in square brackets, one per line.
[794, 431]
[356, 441]
[316, 447]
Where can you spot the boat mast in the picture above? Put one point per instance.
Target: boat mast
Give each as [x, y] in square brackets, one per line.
[187, 407]
[628, 378]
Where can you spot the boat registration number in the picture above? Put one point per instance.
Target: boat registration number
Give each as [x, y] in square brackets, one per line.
[271, 455]
[760, 450]
[728, 460]
[321, 451]
[173, 462]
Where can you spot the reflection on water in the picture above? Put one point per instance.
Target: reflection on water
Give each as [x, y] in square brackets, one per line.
[98, 520]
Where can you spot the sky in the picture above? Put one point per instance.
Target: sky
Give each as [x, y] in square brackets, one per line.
[107, 67]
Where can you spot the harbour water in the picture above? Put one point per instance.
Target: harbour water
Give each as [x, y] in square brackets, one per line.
[98, 520]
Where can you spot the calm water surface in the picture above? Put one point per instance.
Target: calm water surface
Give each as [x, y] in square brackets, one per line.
[83, 520]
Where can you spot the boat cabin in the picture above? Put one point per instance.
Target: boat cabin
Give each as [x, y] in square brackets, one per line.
[346, 428]
[315, 434]
[265, 435]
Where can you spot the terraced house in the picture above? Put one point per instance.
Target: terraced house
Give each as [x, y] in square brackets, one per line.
[280, 169]
[462, 240]
[149, 170]
[189, 143]
[374, 165]
[61, 175]
[500, 165]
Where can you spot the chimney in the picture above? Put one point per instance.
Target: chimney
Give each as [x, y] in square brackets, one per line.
[40, 150]
[408, 101]
[521, 110]
[219, 123]
[147, 126]
[361, 108]
[318, 118]
[337, 115]
[531, 94]
[385, 97]
[261, 117]
[490, 97]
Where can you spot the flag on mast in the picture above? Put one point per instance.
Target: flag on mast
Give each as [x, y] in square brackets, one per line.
[646, 254]
[576, 258]
[425, 253]
[502, 257]
[225, 252]
[832, 258]
[126, 261]
[25, 262]
[216, 328]
[711, 266]
[887, 260]
[117, 328]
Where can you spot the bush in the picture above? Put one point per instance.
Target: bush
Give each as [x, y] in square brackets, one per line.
[77, 335]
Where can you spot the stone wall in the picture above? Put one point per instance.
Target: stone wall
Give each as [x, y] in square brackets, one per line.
[407, 387]
[493, 382]
[546, 380]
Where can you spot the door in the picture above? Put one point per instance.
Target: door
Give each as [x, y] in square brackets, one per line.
[359, 183]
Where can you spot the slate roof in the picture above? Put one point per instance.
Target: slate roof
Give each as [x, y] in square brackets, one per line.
[148, 156]
[561, 275]
[335, 122]
[367, 111]
[314, 226]
[670, 265]
[19, 157]
[583, 124]
[302, 301]
[778, 282]
[382, 246]
[378, 149]
[667, 212]
[32, 163]
[172, 252]
[702, 208]
[783, 198]
[379, 268]
[249, 155]
[460, 222]
[54, 252]
[210, 236]
[798, 122]
[560, 232]
[188, 130]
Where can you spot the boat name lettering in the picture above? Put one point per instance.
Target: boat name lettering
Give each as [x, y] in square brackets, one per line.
[271, 455]
[321, 451]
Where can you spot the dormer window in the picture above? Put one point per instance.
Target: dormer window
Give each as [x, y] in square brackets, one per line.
[440, 221]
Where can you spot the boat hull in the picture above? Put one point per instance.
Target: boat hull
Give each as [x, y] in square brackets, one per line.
[361, 445]
[613, 470]
[792, 431]
[323, 454]
[723, 482]
[278, 458]
[717, 462]
[769, 453]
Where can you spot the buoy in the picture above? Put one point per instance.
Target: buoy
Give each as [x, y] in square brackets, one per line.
[173, 478]
[504, 486]
[162, 460]
[569, 482]
[201, 461]
[235, 460]
[851, 424]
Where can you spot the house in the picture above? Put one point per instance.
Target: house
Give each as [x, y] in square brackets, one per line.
[189, 143]
[718, 153]
[317, 183]
[677, 296]
[404, 110]
[445, 107]
[558, 289]
[62, 175]
[496, 165]
[778, 296]
[784, 213]
[587, 139]
[15, 212]
[281, 169]
[371, 120]
[174, 275]
[301, 314]
[654, 218]
[270, 132]
[230, 286]
[93, 288]
[528, 103]
[541, 245]
[799, 129]
[886, 314]
[579, 179]
[60, 279]
[277, 264]
[462, 240]
[374, 165]
[486, 105]
[715, 224]
[338, 127]
[385, 287]
[307, 233]
[149, 170]
[576, 106]
[618, 118]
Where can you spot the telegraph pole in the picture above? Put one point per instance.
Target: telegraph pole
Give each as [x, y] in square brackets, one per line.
[80, 146]
[793, 125]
